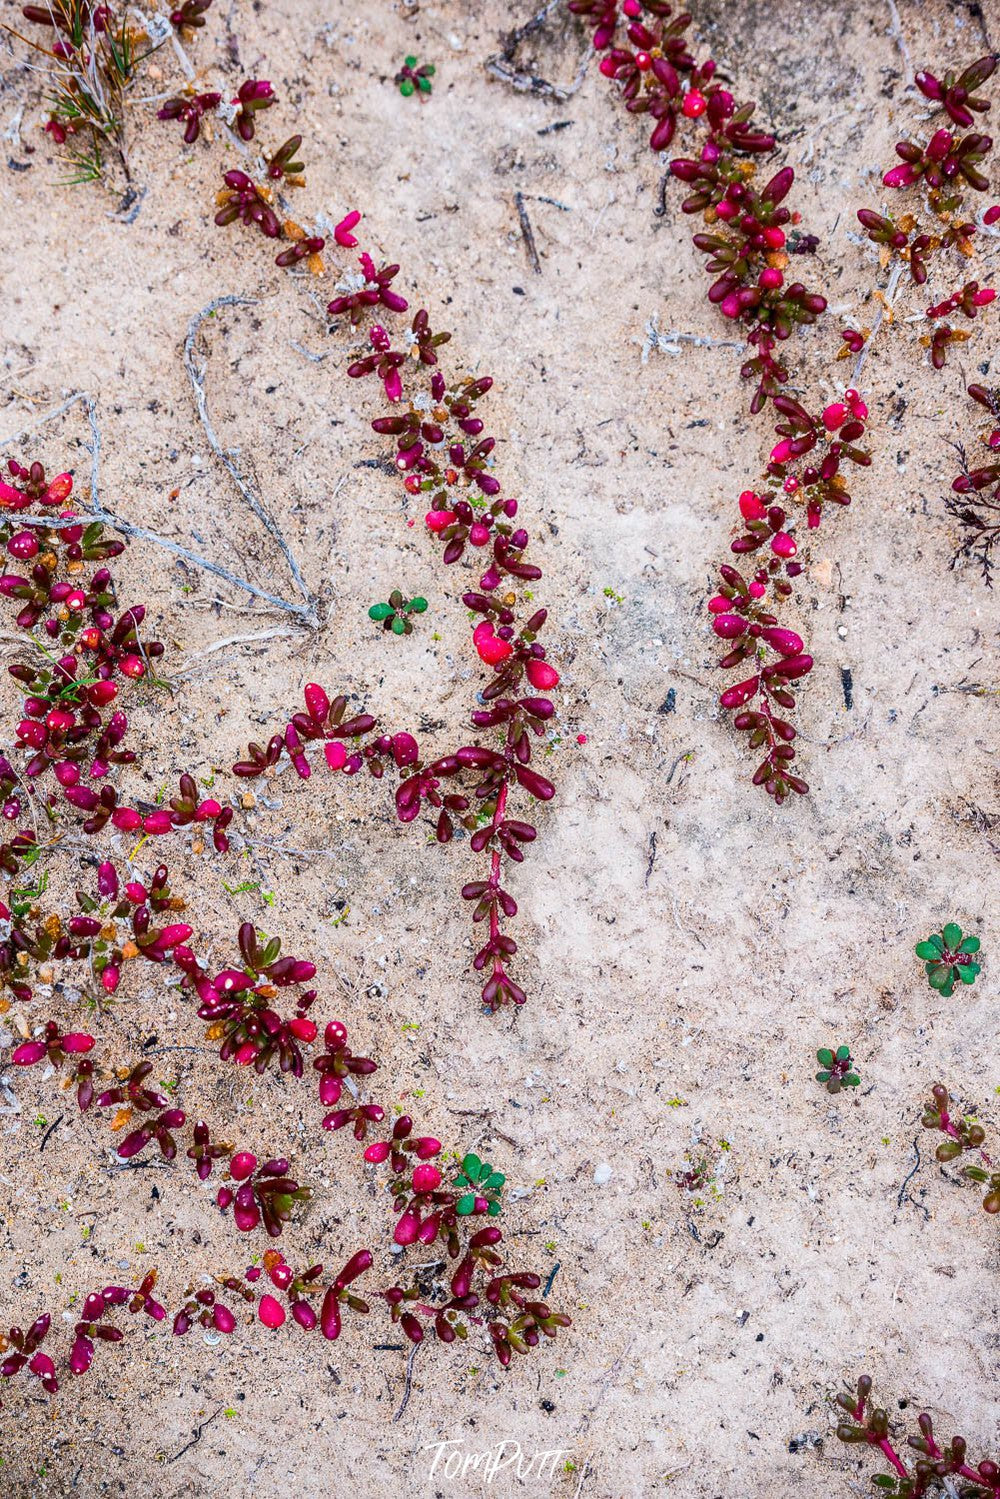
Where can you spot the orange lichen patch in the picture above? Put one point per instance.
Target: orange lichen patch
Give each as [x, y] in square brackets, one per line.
[130, 950]
[216, 1030]
[122, 1117]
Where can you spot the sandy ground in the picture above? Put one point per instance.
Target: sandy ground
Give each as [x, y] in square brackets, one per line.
[687, 946]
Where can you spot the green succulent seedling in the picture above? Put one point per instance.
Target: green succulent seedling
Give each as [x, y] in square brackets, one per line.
[395, 614]
[412, 79]
[837, 1068]
[478, 1179]
[947, 957]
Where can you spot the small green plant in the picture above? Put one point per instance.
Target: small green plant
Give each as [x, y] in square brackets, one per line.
[948, 957]
[395, 615]
[412, 79]
[837, 1069]
[480, 1188]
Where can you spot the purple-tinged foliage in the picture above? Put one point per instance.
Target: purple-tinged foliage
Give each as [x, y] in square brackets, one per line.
[263, 1195]
[977, 508]
[190, 109]
[868, 1425]
[253, 95]
[962, 1135]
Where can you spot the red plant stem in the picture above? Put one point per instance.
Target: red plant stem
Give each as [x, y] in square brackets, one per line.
[949, 1129]
[888, 1452]
[495, 874]
[966, 1472]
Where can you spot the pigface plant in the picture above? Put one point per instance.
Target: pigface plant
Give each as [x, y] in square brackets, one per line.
[749, 239]
[472, 1290]
[963, 1135]
[83, 659]
[933, 1470]
[937, 172]
[975, 498]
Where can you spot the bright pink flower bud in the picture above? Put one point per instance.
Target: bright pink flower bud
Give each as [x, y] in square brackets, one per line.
[303, 1028]
[834, 416]
[439, 520]
[771, 278]
[752, 508]
[246, 1054]
[541, 675]
[491, 649]
[242, 1165]
[336, 754]
[782, 451]
[342, 233]
[426, 1179]
[757, 590]
[126, 819]
[774, 238]
[271, 1312]
[377, 1153]
[729, 626]
[132, 666]
[784, 545]
[110, 978]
